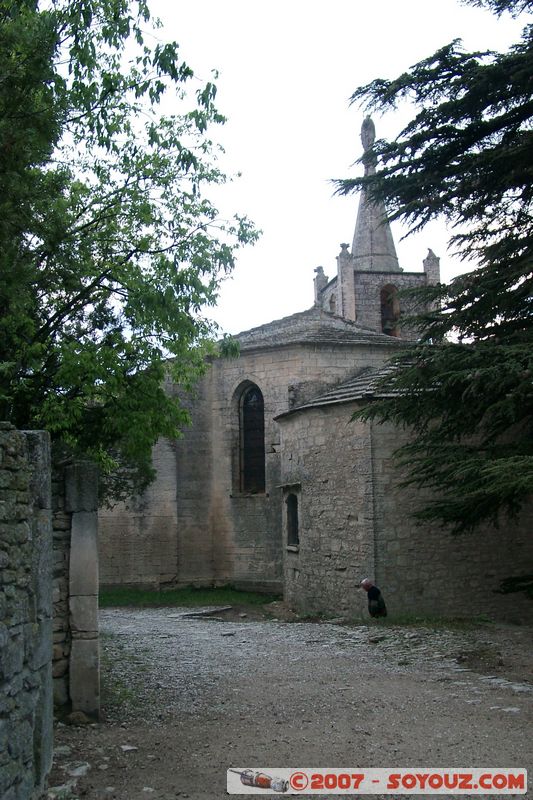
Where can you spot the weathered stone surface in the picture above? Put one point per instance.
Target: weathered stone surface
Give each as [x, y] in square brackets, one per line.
[39, 456]
[44, 720]
[60, 668]
[41, 647]
[81, 487]
[84, 613]
[84, 676]
[83, 575]
[61, 696]
[25, 614]
[12, 654]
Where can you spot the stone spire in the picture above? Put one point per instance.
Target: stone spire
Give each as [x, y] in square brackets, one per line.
[373, 246]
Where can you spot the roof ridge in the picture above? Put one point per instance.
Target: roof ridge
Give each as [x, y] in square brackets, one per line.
[359, 385]
[314, 311]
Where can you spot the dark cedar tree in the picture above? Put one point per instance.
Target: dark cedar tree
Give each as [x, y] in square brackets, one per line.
[466, 387]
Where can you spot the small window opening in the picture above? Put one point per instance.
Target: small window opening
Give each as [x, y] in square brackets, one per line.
[293, 535]
[390, 311]
[252, 429]
[333, 304]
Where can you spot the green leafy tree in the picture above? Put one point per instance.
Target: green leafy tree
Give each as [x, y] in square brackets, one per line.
[466, 388]
[109, 245]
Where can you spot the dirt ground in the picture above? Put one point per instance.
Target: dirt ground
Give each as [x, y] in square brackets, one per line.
[187, 693]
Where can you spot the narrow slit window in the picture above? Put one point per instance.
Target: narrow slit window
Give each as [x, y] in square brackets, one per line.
[293, 534]
[252, 441]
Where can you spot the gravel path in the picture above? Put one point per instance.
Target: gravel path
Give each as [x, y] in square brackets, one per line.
[196, 695]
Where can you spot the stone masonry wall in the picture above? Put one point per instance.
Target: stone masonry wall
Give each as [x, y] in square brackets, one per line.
[368, 287]
[25, 614]
[355, 521]
[138, 539]
[194, 526]
[327, 463]
[424, 569]
[246, 530]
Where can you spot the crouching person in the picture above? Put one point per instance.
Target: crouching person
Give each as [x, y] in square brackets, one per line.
[376, 603]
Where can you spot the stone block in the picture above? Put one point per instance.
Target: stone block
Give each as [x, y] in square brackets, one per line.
[4, 726]
[42, 562]
[26, 786]
[12, 656]
[61, 697]
[15, 686]
[40, 650]
[84, 554]
[60, 668]
[61, 521]
[84, 613]
[8, 777]
[16, 532]
[43, 735]
[21, 740]
[60, 625]
[27, 702]
[17, 611]
[84, 676]
[81, 487]
[58, 652]
[38, 444]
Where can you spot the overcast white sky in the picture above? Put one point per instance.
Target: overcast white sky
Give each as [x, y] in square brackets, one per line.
[287, 69]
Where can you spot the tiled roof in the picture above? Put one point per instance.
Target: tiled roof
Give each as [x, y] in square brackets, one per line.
[361, 386]
[313, 326]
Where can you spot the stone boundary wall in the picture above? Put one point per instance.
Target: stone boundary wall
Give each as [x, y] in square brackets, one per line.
[25, 614]
[61, 524]
[75, 530]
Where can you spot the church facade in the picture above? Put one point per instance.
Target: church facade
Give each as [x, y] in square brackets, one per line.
[273, 487]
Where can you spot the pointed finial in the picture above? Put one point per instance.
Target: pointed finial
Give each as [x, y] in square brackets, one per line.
[373, 246]
[368, 133]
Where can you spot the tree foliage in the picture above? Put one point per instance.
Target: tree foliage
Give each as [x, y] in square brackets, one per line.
[109, 245]
[466, 388]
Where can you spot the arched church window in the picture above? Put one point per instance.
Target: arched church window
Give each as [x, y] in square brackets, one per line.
[333, 304]
[390, 310]
[293, 535]
[252, 440]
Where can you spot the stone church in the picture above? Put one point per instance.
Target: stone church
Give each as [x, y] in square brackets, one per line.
[273, 488]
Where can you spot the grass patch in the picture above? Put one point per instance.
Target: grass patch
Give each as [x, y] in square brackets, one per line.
[188, 596]
[419, 621]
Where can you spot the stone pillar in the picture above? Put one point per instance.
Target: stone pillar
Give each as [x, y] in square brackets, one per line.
[432, 267]
[320, 282]
[81, 500]
[345, 285]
